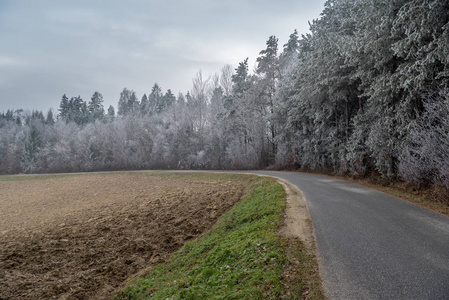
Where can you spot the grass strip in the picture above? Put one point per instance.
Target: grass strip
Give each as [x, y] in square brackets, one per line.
[6, 178]
[242, 257]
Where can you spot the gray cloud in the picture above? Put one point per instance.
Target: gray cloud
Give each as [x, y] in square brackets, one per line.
[48, 48]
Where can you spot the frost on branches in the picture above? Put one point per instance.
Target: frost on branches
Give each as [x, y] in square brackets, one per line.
[365, 91]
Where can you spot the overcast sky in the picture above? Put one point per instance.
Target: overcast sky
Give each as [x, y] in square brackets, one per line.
[53, 47]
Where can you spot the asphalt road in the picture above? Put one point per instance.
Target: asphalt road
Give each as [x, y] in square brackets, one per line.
[371, 245]
[374, 246]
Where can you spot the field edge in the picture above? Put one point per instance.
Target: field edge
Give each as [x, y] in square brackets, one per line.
[243, 256]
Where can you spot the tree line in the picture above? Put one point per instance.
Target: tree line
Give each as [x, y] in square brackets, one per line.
[366, 91]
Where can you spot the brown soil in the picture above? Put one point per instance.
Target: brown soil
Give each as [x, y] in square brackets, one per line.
[80, 237]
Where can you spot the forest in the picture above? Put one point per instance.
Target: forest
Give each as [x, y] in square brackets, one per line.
[364, 92]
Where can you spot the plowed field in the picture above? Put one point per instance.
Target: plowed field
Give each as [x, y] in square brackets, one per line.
[82, 236]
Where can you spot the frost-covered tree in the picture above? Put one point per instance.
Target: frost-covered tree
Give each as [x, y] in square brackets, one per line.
[288, 59]
[239, 80]
[198, 104]
[421, 34]
[425, 155]
[216, 143]
[288, 63]
[235, 133]
[165, 102]
[50, 120]
[268, 69]
[365, 91]
[133, 104]
[144, 105]
[64, 108]
[370, 52]
[110, 116]
[123, 102]
[73, 110]
[154, 99]
[11, 138]
[317, 97]
[226, 79]
[31, 145]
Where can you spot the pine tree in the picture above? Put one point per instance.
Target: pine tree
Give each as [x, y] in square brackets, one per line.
[289, 56]
[154, 99]
[240, 79]
[50, 119]
[9, 116]
[123, 103]
[30, 147]
[95, 107]
[269, 70]
[111, 113]
[165, 102]
[268, 61]
[78, 111]
[64, 107]
[144, 105]
[133, 104]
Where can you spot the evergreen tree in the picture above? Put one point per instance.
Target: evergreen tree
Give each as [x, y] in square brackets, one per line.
[84, 114]
[17, 116]
[289, 56]
[133, 104]
[166, 101]
[370, 53]
[144, 105]
[50, 119]
[269, 70]
[9, 116]
[365, 91]
[124, 101]
[64, 108]
[268, 61]
[111, 113]
[30, 146]
[240, 79]
[78, 111]
[36, 115]
[154, 99]
[95, 107]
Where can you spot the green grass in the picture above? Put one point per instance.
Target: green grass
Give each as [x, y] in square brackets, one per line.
[242, 257]
[35, 177]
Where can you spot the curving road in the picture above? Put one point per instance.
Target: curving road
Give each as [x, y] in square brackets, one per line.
[371, 245]
[374, 246]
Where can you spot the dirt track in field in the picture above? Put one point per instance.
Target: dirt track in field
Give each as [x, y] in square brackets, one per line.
[80, 237]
